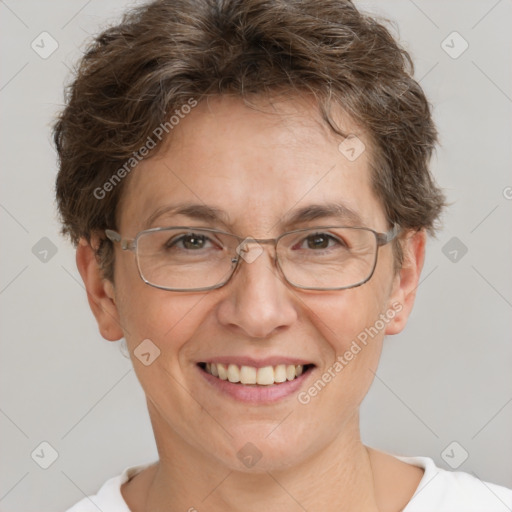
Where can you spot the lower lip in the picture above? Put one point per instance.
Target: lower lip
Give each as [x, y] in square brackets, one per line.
[256, 394]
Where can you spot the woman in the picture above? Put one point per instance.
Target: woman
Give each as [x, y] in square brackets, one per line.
[247, 185]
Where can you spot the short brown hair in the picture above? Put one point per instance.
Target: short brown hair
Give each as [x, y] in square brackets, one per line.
[135, 74]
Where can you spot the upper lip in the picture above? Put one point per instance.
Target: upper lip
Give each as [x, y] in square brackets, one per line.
[256, 363]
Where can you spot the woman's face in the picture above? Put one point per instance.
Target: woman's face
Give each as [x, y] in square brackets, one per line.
[258, 169]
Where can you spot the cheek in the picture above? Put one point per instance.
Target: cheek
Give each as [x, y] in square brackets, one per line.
[352, 325]
[343, 317]
[168, 320]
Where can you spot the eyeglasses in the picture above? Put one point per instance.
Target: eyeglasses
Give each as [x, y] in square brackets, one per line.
[184, 258]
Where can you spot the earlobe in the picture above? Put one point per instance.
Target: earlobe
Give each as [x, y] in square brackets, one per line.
[406, 281]
[100, 292]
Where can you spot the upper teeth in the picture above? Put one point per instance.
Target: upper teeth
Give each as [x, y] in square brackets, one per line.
[264, 376]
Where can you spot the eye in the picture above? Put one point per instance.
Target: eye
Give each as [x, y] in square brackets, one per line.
[189, 241]
[321, 241]
[318, 241]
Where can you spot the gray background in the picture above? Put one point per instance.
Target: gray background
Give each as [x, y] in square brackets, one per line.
[446, 378]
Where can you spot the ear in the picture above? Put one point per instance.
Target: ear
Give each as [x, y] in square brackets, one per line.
[100, 292]
[406, 280]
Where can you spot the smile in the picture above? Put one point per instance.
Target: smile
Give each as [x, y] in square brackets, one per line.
[250, 375]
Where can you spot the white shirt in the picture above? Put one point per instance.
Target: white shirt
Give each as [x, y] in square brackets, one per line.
[439, 490]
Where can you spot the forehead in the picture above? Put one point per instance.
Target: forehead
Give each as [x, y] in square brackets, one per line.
[254, 168]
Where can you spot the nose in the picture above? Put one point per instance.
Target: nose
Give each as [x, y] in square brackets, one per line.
[257, 300]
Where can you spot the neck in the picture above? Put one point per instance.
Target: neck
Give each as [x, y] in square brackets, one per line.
[338, 478]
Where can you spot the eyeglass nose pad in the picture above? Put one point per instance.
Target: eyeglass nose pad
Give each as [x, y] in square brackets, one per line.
[246, 253]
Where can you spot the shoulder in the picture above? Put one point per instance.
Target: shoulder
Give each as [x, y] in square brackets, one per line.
[109, 497]
[455, 491]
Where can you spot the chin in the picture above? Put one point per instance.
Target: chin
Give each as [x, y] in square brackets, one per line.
[262, 448]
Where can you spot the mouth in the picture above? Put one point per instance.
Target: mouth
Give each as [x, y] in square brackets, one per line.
[252, 376]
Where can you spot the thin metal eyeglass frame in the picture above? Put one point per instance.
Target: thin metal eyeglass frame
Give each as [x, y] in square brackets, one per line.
[130, 244]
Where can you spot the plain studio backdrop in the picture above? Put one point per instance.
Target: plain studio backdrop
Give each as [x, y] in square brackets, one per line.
[72, 413]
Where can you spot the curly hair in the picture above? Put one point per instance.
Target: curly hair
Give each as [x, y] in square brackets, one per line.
[163, 53]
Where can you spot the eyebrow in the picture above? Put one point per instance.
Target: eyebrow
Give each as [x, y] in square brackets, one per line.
[211, 214]
[322, 211]
[197, 211]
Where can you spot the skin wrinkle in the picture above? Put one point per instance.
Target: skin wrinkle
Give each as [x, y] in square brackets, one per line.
[134, 74]
[339, 214]
[273, 88]
[198, 431]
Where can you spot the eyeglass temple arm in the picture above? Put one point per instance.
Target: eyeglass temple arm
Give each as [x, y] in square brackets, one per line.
[385, 238]
[114, 236]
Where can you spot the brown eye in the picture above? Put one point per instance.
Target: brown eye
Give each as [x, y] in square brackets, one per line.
[194, 241]
[190, 241]
[318, 241]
